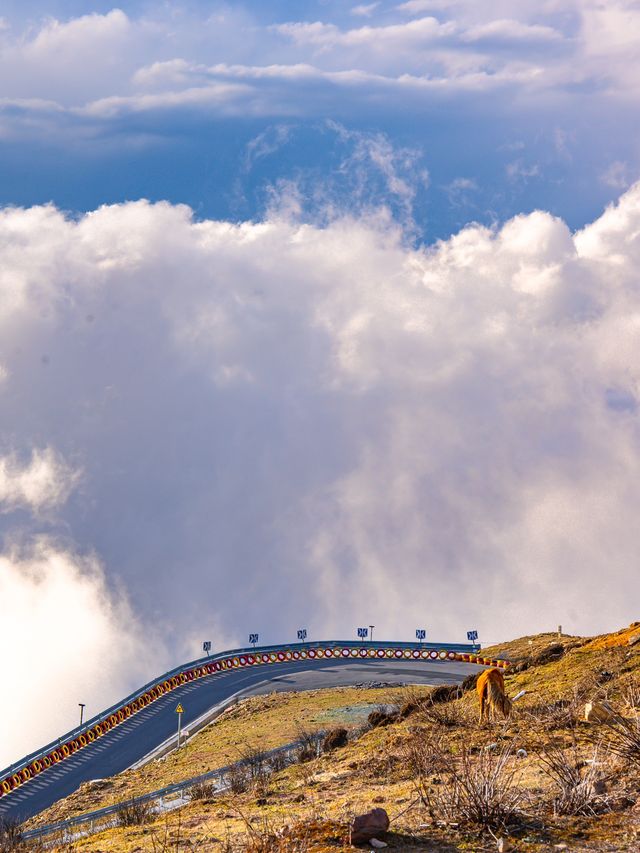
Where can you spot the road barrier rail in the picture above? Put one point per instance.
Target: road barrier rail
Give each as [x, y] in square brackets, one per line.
[82, 737]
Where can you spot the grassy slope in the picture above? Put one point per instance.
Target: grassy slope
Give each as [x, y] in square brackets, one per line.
[261, 722]
[317, 798]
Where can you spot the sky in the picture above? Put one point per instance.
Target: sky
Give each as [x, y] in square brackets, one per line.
[311, 315]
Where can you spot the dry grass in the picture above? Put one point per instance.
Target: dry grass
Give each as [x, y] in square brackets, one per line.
[261, 722]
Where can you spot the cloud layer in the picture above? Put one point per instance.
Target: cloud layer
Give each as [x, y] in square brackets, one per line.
[232, 61]
[283, 425]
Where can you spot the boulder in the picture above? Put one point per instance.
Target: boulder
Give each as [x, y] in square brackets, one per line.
[373, 824]
[598, 712]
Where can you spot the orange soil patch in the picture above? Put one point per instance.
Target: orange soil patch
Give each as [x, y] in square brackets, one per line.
[618, 638]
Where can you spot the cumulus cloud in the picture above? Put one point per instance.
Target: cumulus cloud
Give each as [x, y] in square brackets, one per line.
[283, 424]
[71, 640]
[44, 482]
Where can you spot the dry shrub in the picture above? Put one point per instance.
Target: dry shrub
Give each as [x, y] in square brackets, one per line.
[10, 834]
[335, 739]
[480, 790]
[202, 790]
[447, 714]
[277, 761]
[623, 737]
[236, 779]
[381, 717]
[135, 813]
[256, 762]
[579, 784]
[310, 743]
[631, 695]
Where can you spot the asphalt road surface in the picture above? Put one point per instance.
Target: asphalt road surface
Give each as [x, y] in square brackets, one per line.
[130, 741]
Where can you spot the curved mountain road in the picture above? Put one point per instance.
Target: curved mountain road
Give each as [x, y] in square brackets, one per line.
[121, 747]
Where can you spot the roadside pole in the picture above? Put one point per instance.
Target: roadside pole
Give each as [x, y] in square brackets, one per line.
[179, 712]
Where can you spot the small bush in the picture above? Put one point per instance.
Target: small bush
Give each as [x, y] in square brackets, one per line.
[277, 761]
[481, 790]
[10, 834]
[334, 739]
[577, 783]
[135, 813]
[380, 717]
[310, 742]
[256, 762]
[202, 790]
[236, 779]
[551, 653]
[623, 737]
[443, 693]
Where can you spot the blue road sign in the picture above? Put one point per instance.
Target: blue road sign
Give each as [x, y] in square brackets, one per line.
[206, 646]
[472, 636]
[253, 638]
[363, 633]
[302, 634]
[420, 634]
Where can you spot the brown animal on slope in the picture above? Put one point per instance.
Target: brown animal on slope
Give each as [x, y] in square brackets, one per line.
[491, 694]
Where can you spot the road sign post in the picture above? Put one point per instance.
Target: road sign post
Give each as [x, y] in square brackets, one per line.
[472, 636]
[371, 627]
[421, 634]
[179, 712]
[363, 633]
[302, 634]
[82, 707]
[206, 647]
[253, 639]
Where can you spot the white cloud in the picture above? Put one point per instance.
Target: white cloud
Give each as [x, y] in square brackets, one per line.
[616, 175]
[418, 7]
[73, 641]
[509, 30]
[97, 68]
[364, 10]
[43, 483]
[337, 418]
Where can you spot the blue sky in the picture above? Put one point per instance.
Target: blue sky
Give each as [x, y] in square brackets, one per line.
[504, 111]
[311, 315]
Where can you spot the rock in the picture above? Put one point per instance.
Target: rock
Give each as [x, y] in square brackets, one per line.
[335, 739]
[369, 825]
[503, 844]
[633, 639]
[604, 676]
[375, 842]
[598, 712]
[522, 753]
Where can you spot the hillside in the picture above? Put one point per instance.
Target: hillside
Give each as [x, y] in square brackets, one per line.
[544, 779]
